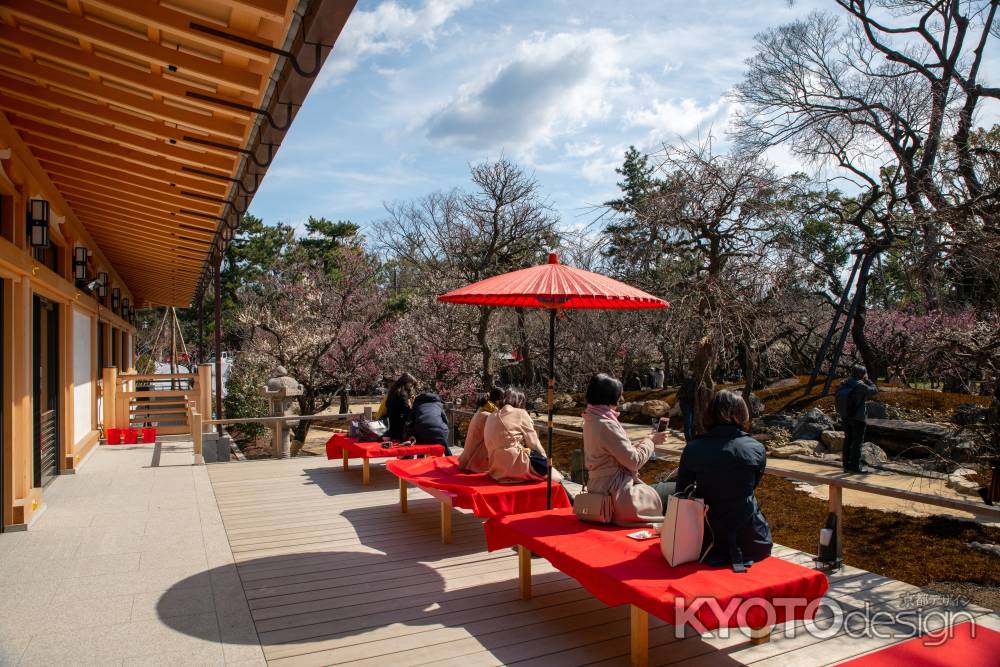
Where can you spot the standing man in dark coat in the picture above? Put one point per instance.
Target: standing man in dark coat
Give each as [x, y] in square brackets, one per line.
[852, 406]
[428, 423]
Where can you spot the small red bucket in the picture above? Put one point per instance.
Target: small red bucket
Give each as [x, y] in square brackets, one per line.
[113, 435]
[131, 436]
[149, 434]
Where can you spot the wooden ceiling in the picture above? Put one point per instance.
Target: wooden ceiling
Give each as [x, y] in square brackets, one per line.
[138, 111]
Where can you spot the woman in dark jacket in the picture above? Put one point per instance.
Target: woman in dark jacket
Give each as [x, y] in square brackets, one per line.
[725, 465]
[398, 403]
[428, 424]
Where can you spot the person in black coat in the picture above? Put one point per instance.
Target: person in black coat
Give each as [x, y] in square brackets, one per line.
[851, 402]
[428, 423]
[725, 465]
[398, 404]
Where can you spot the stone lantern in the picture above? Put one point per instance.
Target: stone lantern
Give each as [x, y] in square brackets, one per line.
[280, 390]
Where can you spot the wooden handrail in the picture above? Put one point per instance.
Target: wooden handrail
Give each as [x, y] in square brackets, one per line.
[262, 420]
[155, 377]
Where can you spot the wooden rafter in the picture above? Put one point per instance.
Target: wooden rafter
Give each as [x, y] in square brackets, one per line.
[71, 156]
[135, 47]
[145, 81]
[186, 153]
[179, 23]
[104, 188]
[94, 198]
[148, 106]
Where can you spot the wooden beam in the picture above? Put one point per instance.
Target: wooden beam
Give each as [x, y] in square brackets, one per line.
[135, 47]
[273, 10]
[87, 194]
[114, 213]
[186, 117]
[101, 112]
[177, 152]
[170, 170]
[115, 190]
[109, 69]
[152, 13]
[524, 571]
[130, 241]
[70, 156]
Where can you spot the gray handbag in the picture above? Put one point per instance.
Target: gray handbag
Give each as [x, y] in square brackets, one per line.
[593, 507]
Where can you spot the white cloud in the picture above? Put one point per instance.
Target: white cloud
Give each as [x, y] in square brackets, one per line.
[670, 119]
[554, 84]
[389, 27]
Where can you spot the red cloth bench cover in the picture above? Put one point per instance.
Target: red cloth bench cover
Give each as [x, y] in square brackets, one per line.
[337, 444]
[939, 649]
[477, 491]
[617, 570]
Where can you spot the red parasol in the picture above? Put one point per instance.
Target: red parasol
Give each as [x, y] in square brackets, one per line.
[554, 286]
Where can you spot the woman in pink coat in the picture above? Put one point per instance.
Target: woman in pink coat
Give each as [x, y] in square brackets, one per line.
[474, 456]
[515, 453]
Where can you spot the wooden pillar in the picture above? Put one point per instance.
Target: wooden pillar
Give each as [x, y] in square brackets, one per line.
[22, 431]
[760, 635]
[201, 330]
[218, 341]
[524, 571]
[110, 381]
[346, 459]
[196, 436]
[205, 391]
[67, 424]
[366, 471]
[402, 494]
[835, 504]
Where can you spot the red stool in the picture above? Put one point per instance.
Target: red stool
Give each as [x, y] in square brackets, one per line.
[113, 436]
[149, 434]
[131, 436]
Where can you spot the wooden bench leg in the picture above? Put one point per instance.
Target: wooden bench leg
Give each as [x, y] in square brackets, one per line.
[524, 571]
[366, 472]
[346, 464]
[639, 633]
[402, 495]
[445, 523]
[760, 635]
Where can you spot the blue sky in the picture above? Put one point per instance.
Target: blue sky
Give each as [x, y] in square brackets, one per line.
[415, 91]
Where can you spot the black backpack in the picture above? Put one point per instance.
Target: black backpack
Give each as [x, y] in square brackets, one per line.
[843, 401]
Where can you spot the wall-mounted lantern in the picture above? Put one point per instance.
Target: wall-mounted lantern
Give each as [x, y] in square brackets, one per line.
[116, 299]
[38, 223]
[80, 264]
[126, 310]
[102, 285]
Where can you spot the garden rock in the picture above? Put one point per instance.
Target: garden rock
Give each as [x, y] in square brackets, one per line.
[563, 402]
[811, 425]
[833, 440]
[873, 455]
[960, 481]
[877, 410]
[967, 414]
[756, 406]
[988, 548]
[778, 421]
[632, 407]
[897, 435]
[655, 408]
[795, 448]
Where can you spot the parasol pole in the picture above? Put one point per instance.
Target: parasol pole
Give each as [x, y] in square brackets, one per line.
[552, 387]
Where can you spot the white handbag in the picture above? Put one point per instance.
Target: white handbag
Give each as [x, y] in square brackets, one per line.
[683, 531]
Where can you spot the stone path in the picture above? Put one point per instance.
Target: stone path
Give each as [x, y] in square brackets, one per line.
[128, 565]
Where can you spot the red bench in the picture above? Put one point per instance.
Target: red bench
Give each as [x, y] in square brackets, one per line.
[442, 479]
[340, 446]
[619, 570]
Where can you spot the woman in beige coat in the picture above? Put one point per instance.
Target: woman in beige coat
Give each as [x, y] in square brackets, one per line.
[613, 461]
[510, 439]
[474, 456]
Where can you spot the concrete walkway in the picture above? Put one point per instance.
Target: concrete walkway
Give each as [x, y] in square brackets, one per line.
[128, 565]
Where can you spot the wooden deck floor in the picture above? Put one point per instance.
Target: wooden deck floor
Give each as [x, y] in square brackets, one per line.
[334, 574]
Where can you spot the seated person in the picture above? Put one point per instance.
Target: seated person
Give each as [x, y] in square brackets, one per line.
[515, 454]
[613, 461]
[725, 465]
[428, 423]
[474, 456]
[398, 403]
